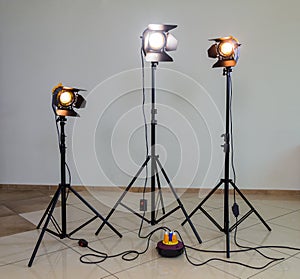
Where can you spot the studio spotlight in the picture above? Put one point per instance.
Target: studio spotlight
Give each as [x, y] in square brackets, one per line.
[156, 40]
[226, 49]
[64, 99]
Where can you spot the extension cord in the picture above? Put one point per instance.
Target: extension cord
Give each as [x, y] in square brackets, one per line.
[170, 247]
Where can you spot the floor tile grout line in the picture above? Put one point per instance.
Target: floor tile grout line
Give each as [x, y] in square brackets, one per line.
[289, 256]
[37, 256]
[90, 212]
[129, 268]
[83, 219]
[285, 214]
[212, 266]
[271, 266]
[100, 239]
[297, 255]
[286, 227]
[280, 207]
[255, 217]
[173, 220]
[20, 201]
[256, 245]
[95, 240]
[274, 249]
[11, 209]
[108, 276]
[200, 226]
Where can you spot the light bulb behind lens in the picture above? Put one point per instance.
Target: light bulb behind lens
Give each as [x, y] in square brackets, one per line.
[66, 98]
[226, 49]
[157, 40]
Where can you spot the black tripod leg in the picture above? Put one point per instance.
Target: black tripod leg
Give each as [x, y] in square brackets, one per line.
[178, 200]
[250, 205]
[203, 201]
[226, 217]
[123, 195]
[92, 209]
[51, 209]
[159, 190]
[46, 211]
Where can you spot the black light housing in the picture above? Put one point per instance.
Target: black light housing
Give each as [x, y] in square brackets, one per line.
[226, 49]
[156, 40]
[64, 99]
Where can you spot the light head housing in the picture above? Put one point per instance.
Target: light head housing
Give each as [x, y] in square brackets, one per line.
[156, 41]
[64, 99]
[226, 49]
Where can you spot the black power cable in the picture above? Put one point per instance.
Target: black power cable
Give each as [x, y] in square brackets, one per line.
[245, 249]
[146, 135]
[130, 255]
[231, 133]
[235, 207]
[143, 103]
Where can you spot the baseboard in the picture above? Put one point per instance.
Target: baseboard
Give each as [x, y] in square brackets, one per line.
[36, 187]
[266, 192]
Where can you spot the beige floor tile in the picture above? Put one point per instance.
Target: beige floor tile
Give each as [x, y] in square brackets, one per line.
[129, 222]
[133, 200]
[267, 211]
[172, 268]
[214, 202]
[284, 203]
[279, 236]
[286, 269]
[116, 245]
[109, 199]
[88, 232]
[59, 258]
[289, 220]
[20, 246]
[218, 214]
[73, 199]
[251, 258]
[61, 264]
[73, 214]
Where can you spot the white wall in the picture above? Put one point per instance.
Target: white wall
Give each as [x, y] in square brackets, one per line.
[95, 45]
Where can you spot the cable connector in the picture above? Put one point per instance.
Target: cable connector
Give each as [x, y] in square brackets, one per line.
[235, 210]
[82, 243]
[143, 205]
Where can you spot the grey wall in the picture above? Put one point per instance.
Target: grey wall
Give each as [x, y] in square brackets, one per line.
[95, 45]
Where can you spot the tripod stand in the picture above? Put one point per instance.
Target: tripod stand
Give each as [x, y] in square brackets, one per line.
[61, 231]
[226, 180]
[155, 166]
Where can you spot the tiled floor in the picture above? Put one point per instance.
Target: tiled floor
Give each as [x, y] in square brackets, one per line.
[21, 210]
